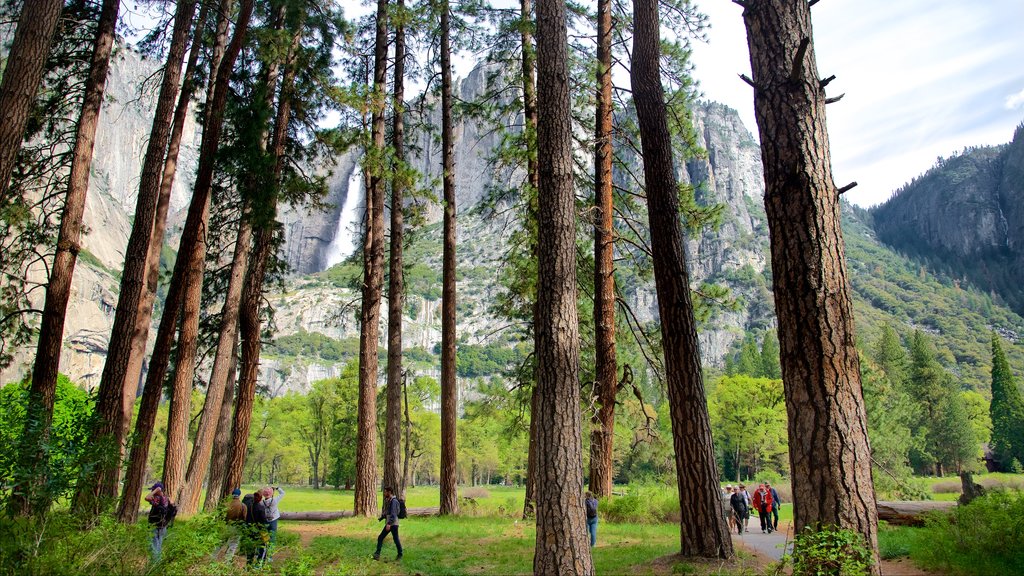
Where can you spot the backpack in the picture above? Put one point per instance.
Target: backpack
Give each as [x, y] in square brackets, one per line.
[402, 511]
[163, 514]
[591, 504]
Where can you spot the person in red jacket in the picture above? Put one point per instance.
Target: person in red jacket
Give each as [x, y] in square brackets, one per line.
[762, 501]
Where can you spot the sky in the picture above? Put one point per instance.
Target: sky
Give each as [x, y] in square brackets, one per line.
[922, 78]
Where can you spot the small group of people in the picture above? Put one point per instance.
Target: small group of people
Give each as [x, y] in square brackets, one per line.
[737, 504]
[253, 517]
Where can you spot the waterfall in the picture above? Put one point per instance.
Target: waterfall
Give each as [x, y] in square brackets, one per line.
[344, 242]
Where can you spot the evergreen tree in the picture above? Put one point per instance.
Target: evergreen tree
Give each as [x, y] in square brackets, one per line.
[889, 355]
[1007, 410]
[770, 364]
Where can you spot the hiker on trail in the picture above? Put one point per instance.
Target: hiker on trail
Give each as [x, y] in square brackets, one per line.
[273, 514]
[236, 520]
[746, 497]
[727, 507]
[776, 502]
[591, 505]
[257, 527]
[739, 508]
[763, 504]
[390, 516]
[160, 517]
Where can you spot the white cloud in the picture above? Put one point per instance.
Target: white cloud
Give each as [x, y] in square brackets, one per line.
[1014, 101]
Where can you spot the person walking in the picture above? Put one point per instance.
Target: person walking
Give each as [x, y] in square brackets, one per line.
[237, 511]
[160, 516]
[390, 515]
[739, 508]
[746, 497]
[273, 514]
[727, 507]
[590, 502]
[776, 502]
[763, 504]
[257, 528]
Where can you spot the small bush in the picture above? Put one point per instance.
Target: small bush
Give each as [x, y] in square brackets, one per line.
[983, 537]
[475, 492]
[895, 542]
[830, 551]
[947, 487]
[643, 504]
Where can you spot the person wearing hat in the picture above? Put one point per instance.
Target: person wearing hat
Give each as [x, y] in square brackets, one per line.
[727, 506]
[237, 512]
[158, 517]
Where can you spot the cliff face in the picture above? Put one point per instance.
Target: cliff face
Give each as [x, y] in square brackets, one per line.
[966, 215]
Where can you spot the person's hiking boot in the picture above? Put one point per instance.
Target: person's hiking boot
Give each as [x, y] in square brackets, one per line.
[398, 558]
[376, 555]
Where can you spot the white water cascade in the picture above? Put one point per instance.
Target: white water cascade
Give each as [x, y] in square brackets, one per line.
[343, 244]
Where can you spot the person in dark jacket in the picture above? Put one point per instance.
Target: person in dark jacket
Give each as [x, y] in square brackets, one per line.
[776, 502]
[158, 517]
[258, 528]
[590, 503]
[236, 513]
[390, 516]
[738, 502]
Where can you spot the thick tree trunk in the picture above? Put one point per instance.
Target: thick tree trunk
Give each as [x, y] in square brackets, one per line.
[223, 365]
[393, 477]
[222, 440]
[829, 453]
[116, 395]
[365, 497]
[23, 73]
[449, 390]
[703, 531]
[128, 509]
[562, 546]
[532, 179]
[252, 293]
[33, 458]
[602, 434]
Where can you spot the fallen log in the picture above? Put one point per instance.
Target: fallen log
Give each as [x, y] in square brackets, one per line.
[334, 515]
[910, 513]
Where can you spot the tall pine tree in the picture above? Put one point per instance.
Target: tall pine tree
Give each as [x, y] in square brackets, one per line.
[1007, 410]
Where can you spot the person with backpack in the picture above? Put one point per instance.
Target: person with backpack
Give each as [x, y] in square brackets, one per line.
[257, 528]
[273, 514]
[161, 514]
[738, 502]
[391, 512]
[237, 511]
[762, 501]
[746, 498]
[590, 502]
[776, 502]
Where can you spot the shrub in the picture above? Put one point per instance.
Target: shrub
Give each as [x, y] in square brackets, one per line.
[947, 487]
[475, 492]
[983, 537]
[642, 504]
[831, 551]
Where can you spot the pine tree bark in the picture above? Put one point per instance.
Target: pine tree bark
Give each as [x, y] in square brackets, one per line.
[23, 73]
[222, 440]
[703, 531]
[562, 545]
[829, 453]
[365, 497]
[532, 179]
[449, 390]
[396, 290]
[602, 434]
[128, 509]
[223, 364]
[33, 458]
[252, 294]
[115, 402]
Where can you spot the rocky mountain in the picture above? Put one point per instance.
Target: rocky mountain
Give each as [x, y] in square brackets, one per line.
[966, 217]
[316, 315]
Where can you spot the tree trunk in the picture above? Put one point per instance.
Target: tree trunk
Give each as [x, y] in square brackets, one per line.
[703, 531]
[449, 391]
[223, 365]
[252, 293]
[34, 460]
[365, 497]
[393, 477]
[562, 545]
[153, 390]
[222, 440]
[26, 65]
[407, 461]
[185, 359]
[532, 179]
[115, 402]
[829, 453]
[602, 435]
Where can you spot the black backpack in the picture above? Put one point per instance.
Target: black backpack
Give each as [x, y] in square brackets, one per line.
[402, 511]
[162, 515]
[591, 507]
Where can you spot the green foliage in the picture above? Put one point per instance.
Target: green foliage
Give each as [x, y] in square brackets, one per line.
[643, 503]
[314, 345]
[66, 446]
[474, 361]
[891, 412]
[748, 420]
[1007, 409]
[830, 551]
[60, 543]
